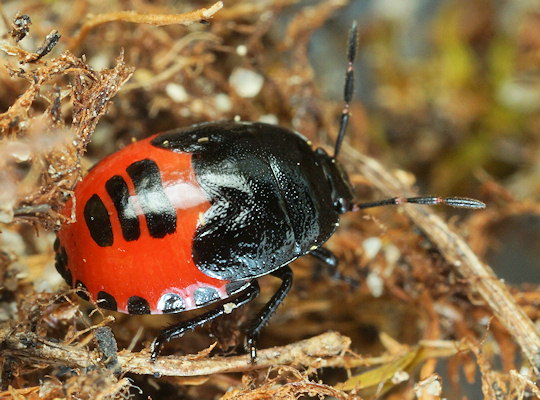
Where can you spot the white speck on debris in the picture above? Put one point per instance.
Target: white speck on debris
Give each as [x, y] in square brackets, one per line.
[246, 83]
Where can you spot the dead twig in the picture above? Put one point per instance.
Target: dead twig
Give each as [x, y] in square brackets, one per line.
[457, 252]
[317, 352]
[200, 15]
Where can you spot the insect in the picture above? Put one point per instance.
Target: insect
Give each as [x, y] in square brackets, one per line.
[192, 217]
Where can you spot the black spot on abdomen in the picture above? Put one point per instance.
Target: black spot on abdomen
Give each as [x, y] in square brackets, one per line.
[107, 301]
[83, 290]
[61, 263]
[56, 245]
[158, 210]
[205, 295]
[119, 194]
[171, 303]
[138, 305]
[98, 221]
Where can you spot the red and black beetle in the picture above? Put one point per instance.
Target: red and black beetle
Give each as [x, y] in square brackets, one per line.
[194, 216]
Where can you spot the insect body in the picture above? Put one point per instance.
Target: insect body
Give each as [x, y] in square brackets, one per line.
[183, 219]
[187, 218]
[192, 217]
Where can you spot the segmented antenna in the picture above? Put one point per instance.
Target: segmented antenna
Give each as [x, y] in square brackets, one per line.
[349, 87]
[457, 202]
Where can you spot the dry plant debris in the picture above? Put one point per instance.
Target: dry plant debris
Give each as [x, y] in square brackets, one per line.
[201, 15]
[78, 81]
[20, 27]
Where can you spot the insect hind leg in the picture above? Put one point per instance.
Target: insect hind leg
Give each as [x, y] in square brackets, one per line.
[177, 330]
[257, 324]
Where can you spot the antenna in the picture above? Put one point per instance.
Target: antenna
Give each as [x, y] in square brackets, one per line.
[457, 202]
[349, 86]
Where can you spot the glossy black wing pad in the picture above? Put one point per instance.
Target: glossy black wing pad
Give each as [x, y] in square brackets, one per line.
[263, 214]
[243, 239]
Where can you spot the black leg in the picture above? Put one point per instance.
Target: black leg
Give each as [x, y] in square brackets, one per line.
[252, 333]
[178, 330]
[330, 261]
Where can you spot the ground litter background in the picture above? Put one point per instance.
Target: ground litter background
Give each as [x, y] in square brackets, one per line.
[447, 102]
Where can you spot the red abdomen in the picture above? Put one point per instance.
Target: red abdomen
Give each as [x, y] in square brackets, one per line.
[131, 243]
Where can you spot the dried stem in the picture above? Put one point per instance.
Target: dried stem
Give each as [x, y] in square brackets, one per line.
[316, 352]
[200, 15]
[456, 251]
